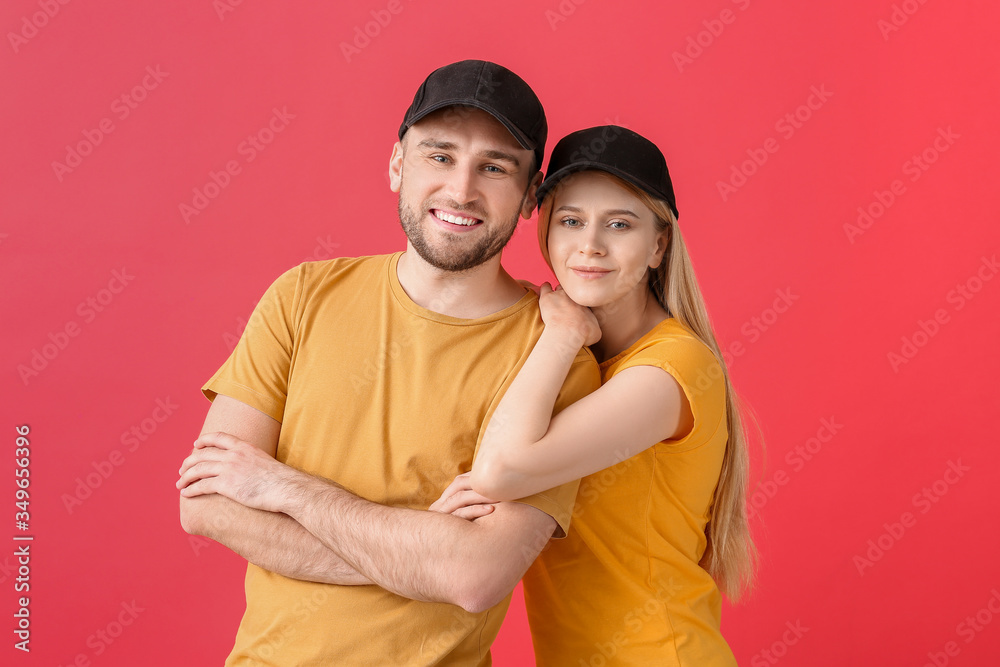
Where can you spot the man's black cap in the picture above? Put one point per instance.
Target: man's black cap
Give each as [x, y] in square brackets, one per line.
[487, 86]
[616, 150]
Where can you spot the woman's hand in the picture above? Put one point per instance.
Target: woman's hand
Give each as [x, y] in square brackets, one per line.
[567, 316]
[459, 499]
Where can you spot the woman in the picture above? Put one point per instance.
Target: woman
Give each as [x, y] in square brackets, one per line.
[660, 524]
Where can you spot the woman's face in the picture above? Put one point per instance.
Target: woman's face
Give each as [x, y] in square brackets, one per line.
[602, 239]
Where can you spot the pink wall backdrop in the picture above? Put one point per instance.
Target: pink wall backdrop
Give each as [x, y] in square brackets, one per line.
[836, 172]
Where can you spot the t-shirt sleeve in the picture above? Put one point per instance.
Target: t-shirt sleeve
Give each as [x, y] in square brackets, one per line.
[584, 377]
[256, 372]
[698, 372]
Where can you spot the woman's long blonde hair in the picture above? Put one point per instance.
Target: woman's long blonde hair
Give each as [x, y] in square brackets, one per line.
[730, 556]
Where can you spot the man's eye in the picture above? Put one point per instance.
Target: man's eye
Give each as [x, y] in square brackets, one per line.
[439, 158]
[493, 169]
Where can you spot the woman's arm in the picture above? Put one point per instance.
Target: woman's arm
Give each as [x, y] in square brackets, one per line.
[525, 450]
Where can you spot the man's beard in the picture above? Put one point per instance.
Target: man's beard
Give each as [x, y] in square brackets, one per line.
[449, 257]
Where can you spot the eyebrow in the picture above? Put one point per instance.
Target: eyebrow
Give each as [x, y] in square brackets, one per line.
[435, 143]
[502, 156]
[491, 154]
[613, 211]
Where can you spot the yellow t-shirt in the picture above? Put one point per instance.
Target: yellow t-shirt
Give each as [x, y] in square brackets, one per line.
[625, 587]
[389, 400]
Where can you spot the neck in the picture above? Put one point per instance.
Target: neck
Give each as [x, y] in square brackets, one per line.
[470, 294]
[626, 320]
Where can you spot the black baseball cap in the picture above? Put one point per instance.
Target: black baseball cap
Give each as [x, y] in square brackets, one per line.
[487, 86]
[616, 150]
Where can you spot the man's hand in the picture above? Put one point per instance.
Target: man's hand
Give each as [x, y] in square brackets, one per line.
[348, 540]
[460, 500]
[222, 463]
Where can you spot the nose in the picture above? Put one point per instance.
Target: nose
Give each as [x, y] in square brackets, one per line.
[462, 185]
[592, 241]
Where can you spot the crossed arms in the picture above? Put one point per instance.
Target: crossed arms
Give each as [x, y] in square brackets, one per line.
[305, 527]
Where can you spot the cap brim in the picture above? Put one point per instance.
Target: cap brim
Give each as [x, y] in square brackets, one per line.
[555, 178]
[516, 133]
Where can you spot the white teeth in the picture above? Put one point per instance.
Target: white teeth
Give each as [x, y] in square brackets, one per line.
[456, 220]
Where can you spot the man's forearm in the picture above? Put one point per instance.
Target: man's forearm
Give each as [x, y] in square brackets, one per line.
[273, 541]
[417, 554]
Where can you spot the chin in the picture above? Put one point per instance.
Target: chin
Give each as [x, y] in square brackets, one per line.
[587, 297]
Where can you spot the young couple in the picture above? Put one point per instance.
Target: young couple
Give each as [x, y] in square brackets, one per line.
[336, 455]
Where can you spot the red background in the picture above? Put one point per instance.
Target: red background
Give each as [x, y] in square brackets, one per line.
[320, 189]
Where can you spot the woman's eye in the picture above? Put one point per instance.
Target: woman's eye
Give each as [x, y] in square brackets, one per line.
[619, 224]
[571, 222]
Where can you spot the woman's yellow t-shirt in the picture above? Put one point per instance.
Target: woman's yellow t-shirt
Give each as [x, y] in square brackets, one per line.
[625, 587]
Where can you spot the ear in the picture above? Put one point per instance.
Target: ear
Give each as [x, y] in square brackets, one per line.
[396, 167]
[531, 200]
[662, 243]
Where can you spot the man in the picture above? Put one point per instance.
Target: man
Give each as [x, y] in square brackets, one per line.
[362, 387]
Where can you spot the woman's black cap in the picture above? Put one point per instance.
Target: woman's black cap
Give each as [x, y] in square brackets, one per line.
[487, 86]
[616, 150]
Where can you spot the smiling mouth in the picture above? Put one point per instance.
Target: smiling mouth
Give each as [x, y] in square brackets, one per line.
[453, 219]
[589, 271]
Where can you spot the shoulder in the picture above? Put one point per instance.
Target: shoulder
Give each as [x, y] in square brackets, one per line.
[671, 341]
[695, 371]
[678, 351]
[308, 284]
[339, 266]
[361, 272]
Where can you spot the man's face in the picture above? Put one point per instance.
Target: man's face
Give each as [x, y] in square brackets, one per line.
[466, 182]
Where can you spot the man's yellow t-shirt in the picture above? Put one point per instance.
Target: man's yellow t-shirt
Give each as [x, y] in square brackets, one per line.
[389, 400]
[625, 587]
